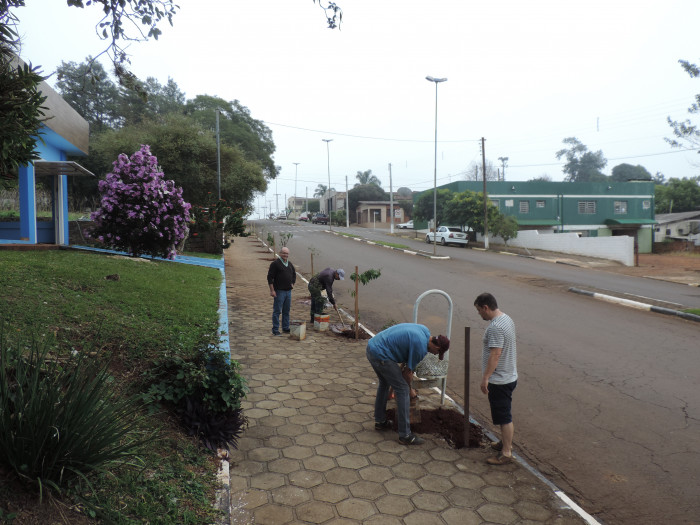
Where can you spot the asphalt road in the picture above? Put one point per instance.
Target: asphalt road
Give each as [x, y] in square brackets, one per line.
[607, 405]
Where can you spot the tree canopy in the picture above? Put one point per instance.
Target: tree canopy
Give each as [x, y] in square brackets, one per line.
[624, 172]
[366, 177]
[678, 195]
[581, 165]
[364, 192]
[687, 134]
[423, 207]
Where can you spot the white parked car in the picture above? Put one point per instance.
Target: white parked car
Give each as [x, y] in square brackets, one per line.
[406, 225]
[448, 235]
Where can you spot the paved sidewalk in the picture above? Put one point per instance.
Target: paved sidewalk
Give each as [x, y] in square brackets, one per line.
[311, 454]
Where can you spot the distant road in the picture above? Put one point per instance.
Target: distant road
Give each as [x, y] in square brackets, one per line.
[607, 404]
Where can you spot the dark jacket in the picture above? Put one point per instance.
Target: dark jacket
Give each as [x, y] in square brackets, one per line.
[281, 277]
[324, 281]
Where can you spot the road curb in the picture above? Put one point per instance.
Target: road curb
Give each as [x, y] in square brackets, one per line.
[635, 304]
[409, 252]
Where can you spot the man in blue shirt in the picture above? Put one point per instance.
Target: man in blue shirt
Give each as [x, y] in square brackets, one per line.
[394, 354]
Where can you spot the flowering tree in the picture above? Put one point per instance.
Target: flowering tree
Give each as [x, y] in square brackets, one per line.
[140, 211]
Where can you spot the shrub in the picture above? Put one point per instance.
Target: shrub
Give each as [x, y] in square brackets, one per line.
[206, 390]
[140, 211]
[61, 418]
[219, 220]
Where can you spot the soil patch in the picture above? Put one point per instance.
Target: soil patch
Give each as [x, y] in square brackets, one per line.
[348, 331]
[448, 424]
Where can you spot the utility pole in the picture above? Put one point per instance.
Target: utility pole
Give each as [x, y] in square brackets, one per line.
[277, 204]
[347, 204]
[391, 202]
[330, 201]
[218, 154]
[504, 163]
[307, 199]
[486, 214]
[296, 168]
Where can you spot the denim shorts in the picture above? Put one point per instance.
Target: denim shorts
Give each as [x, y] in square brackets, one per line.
[500, 399]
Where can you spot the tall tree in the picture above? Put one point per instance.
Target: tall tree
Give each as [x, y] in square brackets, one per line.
[687, 134]
[467, 209]
[187, 153]
[678, 195]
[624, 172]
[581, 165]
[320, 190]
[423, 207]
[366, 177]
[92, 93]
[364, 192]
[237, 127]
[474, 171]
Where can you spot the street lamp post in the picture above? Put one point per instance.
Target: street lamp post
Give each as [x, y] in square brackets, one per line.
[218, 154]
[437, 81]
[296, 168]
[328, 153]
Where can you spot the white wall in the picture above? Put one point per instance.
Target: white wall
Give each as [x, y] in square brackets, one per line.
[618, 248]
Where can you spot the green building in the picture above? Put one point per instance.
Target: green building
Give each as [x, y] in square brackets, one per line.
[591, 209]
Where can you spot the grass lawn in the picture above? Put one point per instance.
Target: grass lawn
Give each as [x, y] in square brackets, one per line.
[132, 310]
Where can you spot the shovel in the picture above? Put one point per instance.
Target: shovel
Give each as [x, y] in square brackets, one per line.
[339, 316]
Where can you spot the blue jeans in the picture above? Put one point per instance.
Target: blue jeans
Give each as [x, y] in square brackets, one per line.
[389, 375]
[282, 304]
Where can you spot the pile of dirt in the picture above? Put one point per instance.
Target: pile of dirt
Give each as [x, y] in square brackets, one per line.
[446, 423]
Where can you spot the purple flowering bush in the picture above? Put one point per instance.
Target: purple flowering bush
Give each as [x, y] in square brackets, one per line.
[140, 212]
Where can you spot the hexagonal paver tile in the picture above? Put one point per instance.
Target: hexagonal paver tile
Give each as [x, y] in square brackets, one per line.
[306, 478]
[315, 512]
[412, 455]
[279, 442]
[394, 505]
[267, 481]
[319, 463]
[382, 519]
[284, 412]
[264, 454]
[532, 511]
[356, 509]
[342, 476]
[247, 468]
[251, 499]
[440, 468]
[367, 490]
[429, 501]
[455, 516]
[461, 497]
[435, 483]
[330, 493]
[338, 438]
[308, 440]
[421, 517]
[273, 515]
[330, 449]
[408, 471]
[401, 487]
[444, 454]
[467, 480]
[364, 449]
[272, 421]
[290, 495]
[339, 409]
[348, 427]
[297, 452]
[256, 413]
[496, 513]
[291, 430]
[376, 473]
[353, 461]
[385, 459]
[504, 495]
[268, 404]
[284, 465]
[501, 478]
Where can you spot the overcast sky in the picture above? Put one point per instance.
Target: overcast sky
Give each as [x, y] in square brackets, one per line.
[523, 75]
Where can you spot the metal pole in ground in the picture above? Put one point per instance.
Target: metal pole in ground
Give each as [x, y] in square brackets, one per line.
[467, 330]
[357, 305]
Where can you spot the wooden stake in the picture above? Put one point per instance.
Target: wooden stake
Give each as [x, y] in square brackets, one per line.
[467, 331]
[357, 305]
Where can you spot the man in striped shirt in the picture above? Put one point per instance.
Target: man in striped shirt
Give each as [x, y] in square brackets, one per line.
[500, 372]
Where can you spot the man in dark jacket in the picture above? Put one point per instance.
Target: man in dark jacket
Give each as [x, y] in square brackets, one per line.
[281, 278]
[323, 281]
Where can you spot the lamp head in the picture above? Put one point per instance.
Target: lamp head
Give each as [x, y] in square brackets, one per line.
[436, 80]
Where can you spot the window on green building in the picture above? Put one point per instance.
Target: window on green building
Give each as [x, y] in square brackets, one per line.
[524, 206]
[539, 204]
[586, 207]
[620, 207]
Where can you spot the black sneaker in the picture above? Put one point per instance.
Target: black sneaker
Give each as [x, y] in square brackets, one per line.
[276, 333]
[387, 425]
[411, 439]
[286, 331]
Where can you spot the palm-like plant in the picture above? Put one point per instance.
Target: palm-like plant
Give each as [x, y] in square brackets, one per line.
[320, 190]
[366, 177]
